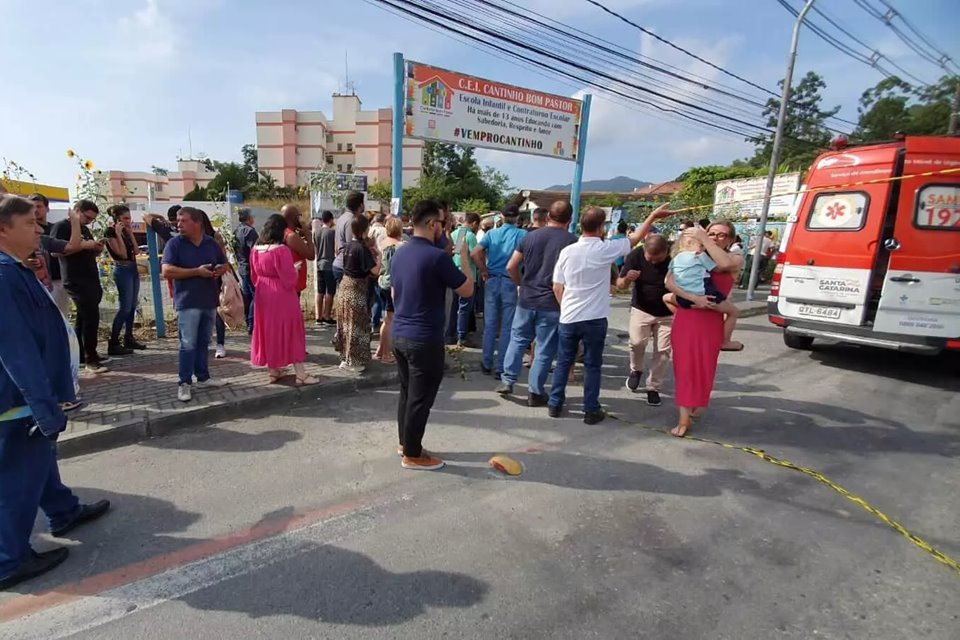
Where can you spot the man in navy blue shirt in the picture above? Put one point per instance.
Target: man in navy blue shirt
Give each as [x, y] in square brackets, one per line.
[194, 261]
[420, 274]
[35, 378]
[538, 312]
[500, 292]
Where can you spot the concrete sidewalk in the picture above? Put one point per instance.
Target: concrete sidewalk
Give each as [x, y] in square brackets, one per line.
[137, 398]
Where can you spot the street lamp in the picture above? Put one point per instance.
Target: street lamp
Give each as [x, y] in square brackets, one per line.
[775, 152]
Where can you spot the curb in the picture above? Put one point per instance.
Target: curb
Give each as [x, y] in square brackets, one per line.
[754, 310]
[147, 427]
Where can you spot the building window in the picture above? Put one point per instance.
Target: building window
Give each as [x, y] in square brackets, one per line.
[158, 188]
[329, 159]
[349, 168]
[339, 146]
[349, 146]
[329, 137]
[339, 167]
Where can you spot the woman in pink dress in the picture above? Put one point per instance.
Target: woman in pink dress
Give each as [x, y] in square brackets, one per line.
[279, 338]
[697, 333]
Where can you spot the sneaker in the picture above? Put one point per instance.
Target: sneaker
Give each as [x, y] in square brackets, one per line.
[423, 452]
[116, 349]
[653, 398]
[486, 370]
[133, 344]
[504, 388]
[633, 382]
[221, 351]
[210, 383]
[96, 367]
[423, 463]
[184, 394]
[537, 399]
[554, 412]
[593, 417]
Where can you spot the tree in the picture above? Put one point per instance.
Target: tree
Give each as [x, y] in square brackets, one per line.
[230, 175]
[805, 133]
[699, 183]
[197, 194]
[473, 205]
[381, 191]
[452, 173]
[159, 171]
[250, 162]
[894, 106]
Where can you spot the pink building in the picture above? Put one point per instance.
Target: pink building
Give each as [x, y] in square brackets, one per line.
[135, 186]
[293, 144]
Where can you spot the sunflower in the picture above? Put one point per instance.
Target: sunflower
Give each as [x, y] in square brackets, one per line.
[88, 165]
[70, 153]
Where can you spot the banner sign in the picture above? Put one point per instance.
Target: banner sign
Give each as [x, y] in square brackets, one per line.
[351, 182]
[447, 106]
[743, 197]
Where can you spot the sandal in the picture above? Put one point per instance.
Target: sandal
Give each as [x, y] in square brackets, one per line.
[680, 430]
[276, 377]
[307, 380]
[732, 346]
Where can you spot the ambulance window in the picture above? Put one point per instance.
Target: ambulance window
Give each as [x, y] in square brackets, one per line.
[938, 207]
[838, 211]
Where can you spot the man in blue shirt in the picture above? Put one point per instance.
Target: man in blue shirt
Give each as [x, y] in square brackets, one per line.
[420, 274]
[538, 312]
[491, 257]
[194, 261]
[35, 377]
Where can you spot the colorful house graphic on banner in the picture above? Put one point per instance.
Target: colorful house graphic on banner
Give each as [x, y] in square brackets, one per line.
[435, 93]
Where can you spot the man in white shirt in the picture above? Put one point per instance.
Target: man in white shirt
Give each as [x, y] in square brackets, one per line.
[581, 280]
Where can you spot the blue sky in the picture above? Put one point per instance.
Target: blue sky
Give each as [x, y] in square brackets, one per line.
[123, 81]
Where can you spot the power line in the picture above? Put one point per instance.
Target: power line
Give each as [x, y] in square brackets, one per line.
[519, 61]
[679, 48]
[922, 48]
[875, 54]
[583, 68]
[696, 57]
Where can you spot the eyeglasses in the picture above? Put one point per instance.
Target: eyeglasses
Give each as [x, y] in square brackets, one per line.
[718, 234]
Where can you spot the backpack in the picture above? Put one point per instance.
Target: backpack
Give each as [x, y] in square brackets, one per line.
[386, 256]
[231, 302]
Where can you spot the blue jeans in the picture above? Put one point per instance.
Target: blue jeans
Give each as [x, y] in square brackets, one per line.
[499, 307]
[458, 324]
[247, 290]
[194, 326]
[592, 334]
[29, 478]
[378, 306]
[127, 279]
[527, 325]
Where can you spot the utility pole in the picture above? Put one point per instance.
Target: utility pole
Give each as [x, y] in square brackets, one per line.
[775, 152]
[954, 128]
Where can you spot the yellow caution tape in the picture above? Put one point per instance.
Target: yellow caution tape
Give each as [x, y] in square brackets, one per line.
[819, 477]
[829, 187]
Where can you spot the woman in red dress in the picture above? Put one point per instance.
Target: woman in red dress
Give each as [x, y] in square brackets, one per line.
[697, 333]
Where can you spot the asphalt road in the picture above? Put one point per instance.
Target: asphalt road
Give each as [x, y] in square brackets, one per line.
[299, 522]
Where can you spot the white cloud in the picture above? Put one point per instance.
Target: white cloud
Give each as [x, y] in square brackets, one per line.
[145, 37]
[567, 8]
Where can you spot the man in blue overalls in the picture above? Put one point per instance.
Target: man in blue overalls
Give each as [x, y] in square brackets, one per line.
[35, 377]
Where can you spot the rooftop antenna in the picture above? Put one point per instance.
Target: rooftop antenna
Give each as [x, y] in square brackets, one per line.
[190, 142]
[348, 86]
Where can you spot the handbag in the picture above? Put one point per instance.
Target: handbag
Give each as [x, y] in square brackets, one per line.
[231, 302]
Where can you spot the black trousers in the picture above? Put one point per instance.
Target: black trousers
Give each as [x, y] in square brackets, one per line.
[421, 371]
[87, 325]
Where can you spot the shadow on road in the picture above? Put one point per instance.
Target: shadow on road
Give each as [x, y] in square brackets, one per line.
[940, 372]
[222, 440]
[329, 584]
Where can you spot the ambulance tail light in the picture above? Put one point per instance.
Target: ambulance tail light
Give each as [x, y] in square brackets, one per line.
[777, 274]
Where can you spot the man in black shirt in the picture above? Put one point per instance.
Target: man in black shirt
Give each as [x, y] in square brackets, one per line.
[53, 249]
[81, 279]
[646, 268]
[244, 239]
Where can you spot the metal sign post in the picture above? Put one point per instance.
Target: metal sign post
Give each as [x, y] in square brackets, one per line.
[397, 164]
[581, 155]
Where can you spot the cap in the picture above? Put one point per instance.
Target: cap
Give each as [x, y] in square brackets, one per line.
[511, 211]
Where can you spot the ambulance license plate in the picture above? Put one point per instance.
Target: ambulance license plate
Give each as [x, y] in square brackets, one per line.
[817, 311]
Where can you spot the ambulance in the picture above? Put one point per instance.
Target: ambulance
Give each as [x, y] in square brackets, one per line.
[871, 251]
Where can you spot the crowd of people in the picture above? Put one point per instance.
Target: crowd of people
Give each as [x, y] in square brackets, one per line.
[422, 283]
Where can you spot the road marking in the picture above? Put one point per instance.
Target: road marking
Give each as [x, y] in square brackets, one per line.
[165, 565]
